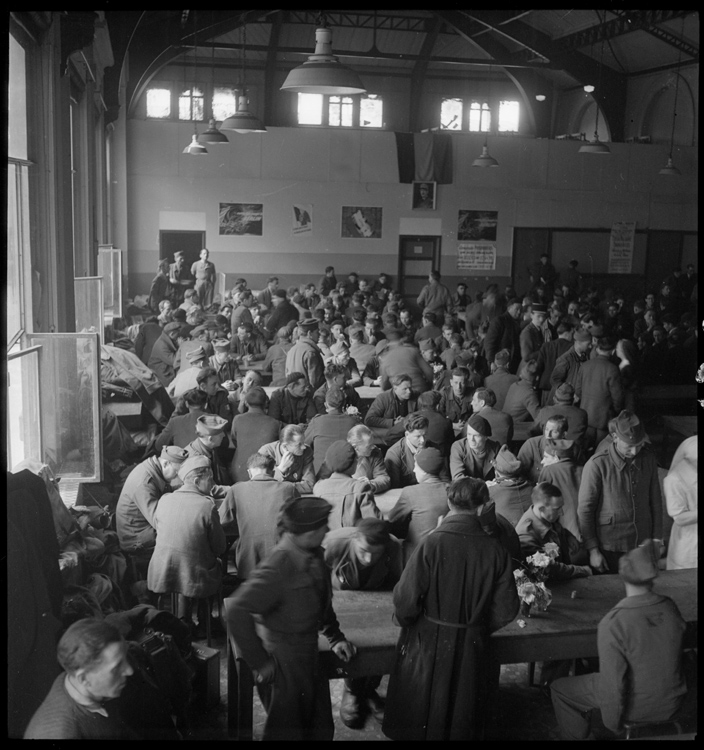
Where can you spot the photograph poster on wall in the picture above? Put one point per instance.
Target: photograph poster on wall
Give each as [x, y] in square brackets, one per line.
[302, 218]
[424, 196]
[361, 222]
[477, 225]
[241, 218]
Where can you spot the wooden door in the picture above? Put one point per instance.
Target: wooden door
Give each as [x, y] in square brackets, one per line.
[417, 257]
[173, 240]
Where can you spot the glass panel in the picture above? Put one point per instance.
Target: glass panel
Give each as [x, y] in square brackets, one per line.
[334, 109]
[23, 429]
[69, 397]
[451, 114]
[191, 104]
[14, 257]
[158, 103]
[17, 102]
[224, 102]
[486, 118]
[479, 117]
[310, 109]
[89, 304]
[110, 268]
[371, 112]
[508, 117]
[347, 111]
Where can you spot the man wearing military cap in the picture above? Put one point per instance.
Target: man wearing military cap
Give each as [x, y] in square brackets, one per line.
[620, 502]
[210, 429]
[187, 378]
[224, 364]
[190, 540]
[640, 674]
[140, 495]
[275, 616]
[510, 490]
[304, 356]
[473, 456]
[163, 354]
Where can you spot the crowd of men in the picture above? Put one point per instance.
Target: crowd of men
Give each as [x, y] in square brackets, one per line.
[290, 479]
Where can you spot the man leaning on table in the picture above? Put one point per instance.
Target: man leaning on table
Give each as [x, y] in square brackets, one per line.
[640, 658]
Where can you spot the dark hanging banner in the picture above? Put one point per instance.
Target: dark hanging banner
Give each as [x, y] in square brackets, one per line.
[424, 157]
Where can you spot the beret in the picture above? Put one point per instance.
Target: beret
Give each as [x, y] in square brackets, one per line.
[506, 463]
[221, 345]
[539, 307]
[171, 327]
[196, 354]
[194, 462]
[565, 393]
[210, 424]
[629, 428]
[582, 336]
[280, 293]
[480, 425]
[305, 513]
[340, 456]
[430, 460]
[640, 564]
[502, 358]
[174, 454]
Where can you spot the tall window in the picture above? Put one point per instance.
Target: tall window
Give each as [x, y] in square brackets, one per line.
[224, 102]
[159, 103]
[340, 111]
[508, 117]
[191, 105]
[451, 114]
[371, 111]
[479, 117]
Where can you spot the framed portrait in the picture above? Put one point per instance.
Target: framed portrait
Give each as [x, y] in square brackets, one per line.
[241, 218]
[477, 225]
[361, 222]
[424, 196]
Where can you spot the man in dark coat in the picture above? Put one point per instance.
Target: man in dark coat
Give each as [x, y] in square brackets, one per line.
[336, 375]
[390, 408]
[304, 356]
[522, 402]
[504, 333]
[400, 458]
[163, 354]
[548, 356]
[474, 456]
[327, 282]
[510, 491]
[326, 429]
[147, 336]
[456, 401]
[401, 358]
[457, 589]
[560, 469]
[283, 313]
[564, 405]
[484, 404]
[567, 365]
[500, 379]
[293, 404]
[440, 429]
[535, 334]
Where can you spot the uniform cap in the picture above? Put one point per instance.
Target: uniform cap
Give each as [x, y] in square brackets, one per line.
[174, 454]
[305, 513]
[480, 425]
[640, 564]
[340, 456]
[192, 463]
[629, 428]
[539, 307]
[308, 325]
[221, 345]
[565, 394]
[430, 460]
[196, 354]
[582, 336]
[506, 463]
[172, 327]
[210, 424]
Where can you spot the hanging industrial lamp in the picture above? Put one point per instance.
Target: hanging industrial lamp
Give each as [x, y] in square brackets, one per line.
[485, 159]
[322, 72]
[212, 136]
[670, 169]
[242, 120]
[596, 146]
[194, 148]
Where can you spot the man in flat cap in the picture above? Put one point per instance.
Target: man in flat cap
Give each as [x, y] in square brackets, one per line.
[567, 365]
[640, 674]
[400, 458]
[140, 495]
[275, 616]
[189, 542]
[187, 378]
[350, 499]
[563, 404]
[210, 429]
[620, 501]
[304, 356]
[473, 456]
[509, 489]
[163, 354]
[500, 379]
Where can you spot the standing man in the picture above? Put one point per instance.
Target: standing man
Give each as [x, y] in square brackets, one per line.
[326, 429]
[265, 298]
[250, 431]
[435, 297]
[535, 334]
[522, 403]
[457, 589]
[567, 365]
[484, 404]
[620, 503]
[500, 379]
[548, 355]
[161, 286]
[304, 356]
[327, 283]
[163, 354]
[204, 272]
[241, 314]
[504, 333]
[179, 277]
[275, 617]
[640, 674]
[401, 357]
[564, 406]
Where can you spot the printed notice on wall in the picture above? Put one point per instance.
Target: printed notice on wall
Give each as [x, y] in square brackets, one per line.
[623, 234]
[476, 256]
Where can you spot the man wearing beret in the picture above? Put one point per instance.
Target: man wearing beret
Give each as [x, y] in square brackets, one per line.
[620, 502]
[567, 365]
[500, 379]
[350, 499]
[210, 429]
[473, 456]
[161, 359]
[400, 458]
[304, 356]
[509, 490]
[640, 674]
[140, 495]
[522, 402]
[275, 616]
[187, 378]
[189, 542]
[563, 404]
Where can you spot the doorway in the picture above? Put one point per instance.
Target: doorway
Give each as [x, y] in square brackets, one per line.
[188, 242]
[417, 257]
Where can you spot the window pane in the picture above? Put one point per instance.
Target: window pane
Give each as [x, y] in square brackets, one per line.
[158, 103]
[486, 118]
[224, 102]
[310, 109]
[14, 258]
[371, 111]
[508, 116]
[191, 105]
[475, 116]
[23, 435]
[334, 109]
[347, 109]
[451, 114]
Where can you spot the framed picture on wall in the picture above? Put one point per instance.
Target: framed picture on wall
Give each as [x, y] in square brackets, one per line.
[424, 196]
[361, 222]
[477, 225]
[241, 218]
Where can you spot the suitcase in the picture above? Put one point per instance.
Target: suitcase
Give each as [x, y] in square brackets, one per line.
[206, 680]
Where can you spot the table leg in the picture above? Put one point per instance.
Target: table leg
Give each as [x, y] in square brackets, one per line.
[240, 688]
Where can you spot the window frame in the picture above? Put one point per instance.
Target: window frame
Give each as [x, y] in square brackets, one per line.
[356, 112]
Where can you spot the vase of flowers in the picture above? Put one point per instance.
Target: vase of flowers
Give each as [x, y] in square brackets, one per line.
[530, 580]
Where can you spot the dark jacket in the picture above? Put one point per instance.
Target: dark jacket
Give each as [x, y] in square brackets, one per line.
[249, 432]
[180, 431]
[386, 407]
[300, 474]
[499, 383]
[325, 429]
[348, 574]
[501, 424]
[522, 402]
[351, 398]
[304, 356]
[282, 314]
[503, 333]
[599, 391]
[548, 355]
[440, 430]
[456, 410]
[576, 420]
[136, 506]
[372, 467]
[349, 503]
[511, 497]
[291, 410]
[400, 464]
[161, 359]
[466, 463]
[399, 359]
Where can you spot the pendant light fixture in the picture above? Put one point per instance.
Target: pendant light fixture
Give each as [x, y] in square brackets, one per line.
[194, 148]
[212, 136]
[322, 72]
[670, 169]
[243, 121]
[596, 146]
[485, 159]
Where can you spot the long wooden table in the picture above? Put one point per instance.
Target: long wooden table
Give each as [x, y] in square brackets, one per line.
[566, 631]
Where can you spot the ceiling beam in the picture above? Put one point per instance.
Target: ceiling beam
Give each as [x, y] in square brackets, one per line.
[270, 72]
[418, 75]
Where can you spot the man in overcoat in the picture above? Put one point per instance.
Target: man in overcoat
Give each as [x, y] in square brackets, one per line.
[250, 431]
[402, 358]
[504, 333]
[163, 354]
[457, 588]
[304, 356]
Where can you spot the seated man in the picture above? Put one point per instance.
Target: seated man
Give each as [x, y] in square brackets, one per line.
[188, 377]
[473, 456]
[532, 451]
[210, 430]
[293, 404]
[326, 429]
[336, 375]
[216, 396]
[93, 656]
[181, 428]
[456, 402]
[484, 404]
[350, 500]
[390, 408]
[400, 458]
[509, 489]
[293, 458]
[247, 346]
[640, 658]
[522, 401]
[364, 557]
[420, 506]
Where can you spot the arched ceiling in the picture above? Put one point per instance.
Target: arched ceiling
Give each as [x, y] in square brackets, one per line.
[557, 49]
